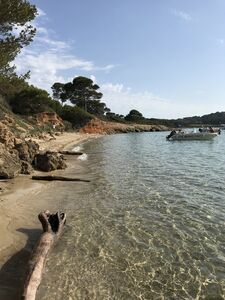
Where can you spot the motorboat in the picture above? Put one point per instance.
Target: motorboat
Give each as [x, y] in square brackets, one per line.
[186, 136]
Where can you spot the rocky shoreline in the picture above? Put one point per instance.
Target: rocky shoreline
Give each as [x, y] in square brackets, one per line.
[102, 127]
[23, 155]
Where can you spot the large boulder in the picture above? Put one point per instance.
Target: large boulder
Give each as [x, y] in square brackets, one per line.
[49, 162]
[10, 165]
[27, 150]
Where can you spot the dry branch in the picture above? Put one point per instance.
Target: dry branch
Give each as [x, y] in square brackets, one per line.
[52, 228]
[60, 178]
[65, 152]
[70, 153]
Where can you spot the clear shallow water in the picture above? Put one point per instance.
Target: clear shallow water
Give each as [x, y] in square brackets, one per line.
[150, 225]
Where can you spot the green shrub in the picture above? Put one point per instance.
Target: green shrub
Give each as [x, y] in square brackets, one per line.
[68, 125]
[9, 86]
[32, 101]
[75, 115]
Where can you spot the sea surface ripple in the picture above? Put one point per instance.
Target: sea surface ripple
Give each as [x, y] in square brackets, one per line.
[150, 225]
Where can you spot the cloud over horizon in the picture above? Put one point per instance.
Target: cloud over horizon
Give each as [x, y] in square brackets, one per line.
[48, 58]
[122, 99]
[53, 60]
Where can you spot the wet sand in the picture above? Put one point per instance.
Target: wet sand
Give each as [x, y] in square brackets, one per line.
[20, 203]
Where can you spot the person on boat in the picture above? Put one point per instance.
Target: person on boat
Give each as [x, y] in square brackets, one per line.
[211, 129]
[180, 131]
[171, 134]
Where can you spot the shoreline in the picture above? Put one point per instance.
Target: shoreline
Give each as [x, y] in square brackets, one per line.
[19, 208]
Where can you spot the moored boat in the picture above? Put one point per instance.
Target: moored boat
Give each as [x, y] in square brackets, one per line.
[186, 136]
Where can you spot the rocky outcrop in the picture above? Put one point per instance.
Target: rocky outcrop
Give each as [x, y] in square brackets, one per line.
[6, 136]
[18, 155]
[98, 126]
[27, 150]
[10, 165]
[49, 118]
[49, 162]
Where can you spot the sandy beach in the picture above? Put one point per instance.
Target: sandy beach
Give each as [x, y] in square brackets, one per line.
[19, 226]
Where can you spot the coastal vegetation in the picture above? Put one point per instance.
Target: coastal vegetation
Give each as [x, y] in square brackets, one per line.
[76, 102]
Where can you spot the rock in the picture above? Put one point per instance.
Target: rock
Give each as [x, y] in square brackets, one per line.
[26, 168]
[6, 136]
[49, 162]
[17, 141]
[9, 163]
[27, 150]
[58, 133]
[8, 120]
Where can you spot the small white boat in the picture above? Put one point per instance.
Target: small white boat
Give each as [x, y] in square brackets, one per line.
[186, 136]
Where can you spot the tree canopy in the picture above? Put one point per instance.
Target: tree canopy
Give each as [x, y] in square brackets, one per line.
[15, 31]
[80, 91]
[32, 100]
[134, 115]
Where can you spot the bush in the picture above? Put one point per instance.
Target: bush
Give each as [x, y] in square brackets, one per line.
[68, 125]
[32, 101]
[4, 107]
[9, 86]
[75, 115]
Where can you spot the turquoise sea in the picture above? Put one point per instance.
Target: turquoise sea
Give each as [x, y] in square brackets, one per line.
[149, 225]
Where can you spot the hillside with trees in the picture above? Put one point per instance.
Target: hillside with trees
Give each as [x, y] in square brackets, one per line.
[76, 102]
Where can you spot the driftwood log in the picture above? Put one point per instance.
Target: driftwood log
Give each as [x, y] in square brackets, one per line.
[52, 228]
[70, 153]
[65, 152]
[60, 178]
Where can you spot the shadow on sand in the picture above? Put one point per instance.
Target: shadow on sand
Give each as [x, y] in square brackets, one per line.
[13, 272]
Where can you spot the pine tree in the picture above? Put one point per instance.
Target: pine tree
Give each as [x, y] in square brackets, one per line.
[16, 31]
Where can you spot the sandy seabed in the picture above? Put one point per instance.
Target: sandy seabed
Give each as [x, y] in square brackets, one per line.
[19, 209]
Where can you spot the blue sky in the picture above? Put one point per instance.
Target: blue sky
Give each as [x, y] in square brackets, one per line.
[165, 58]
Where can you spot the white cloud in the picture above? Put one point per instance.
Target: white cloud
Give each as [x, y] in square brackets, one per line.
[93, 78]
[122, 99]
[182, 15]
[50, 59]
[40, 12]
[114, 88]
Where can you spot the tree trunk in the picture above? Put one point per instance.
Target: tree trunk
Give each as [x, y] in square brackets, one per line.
[52, 228]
